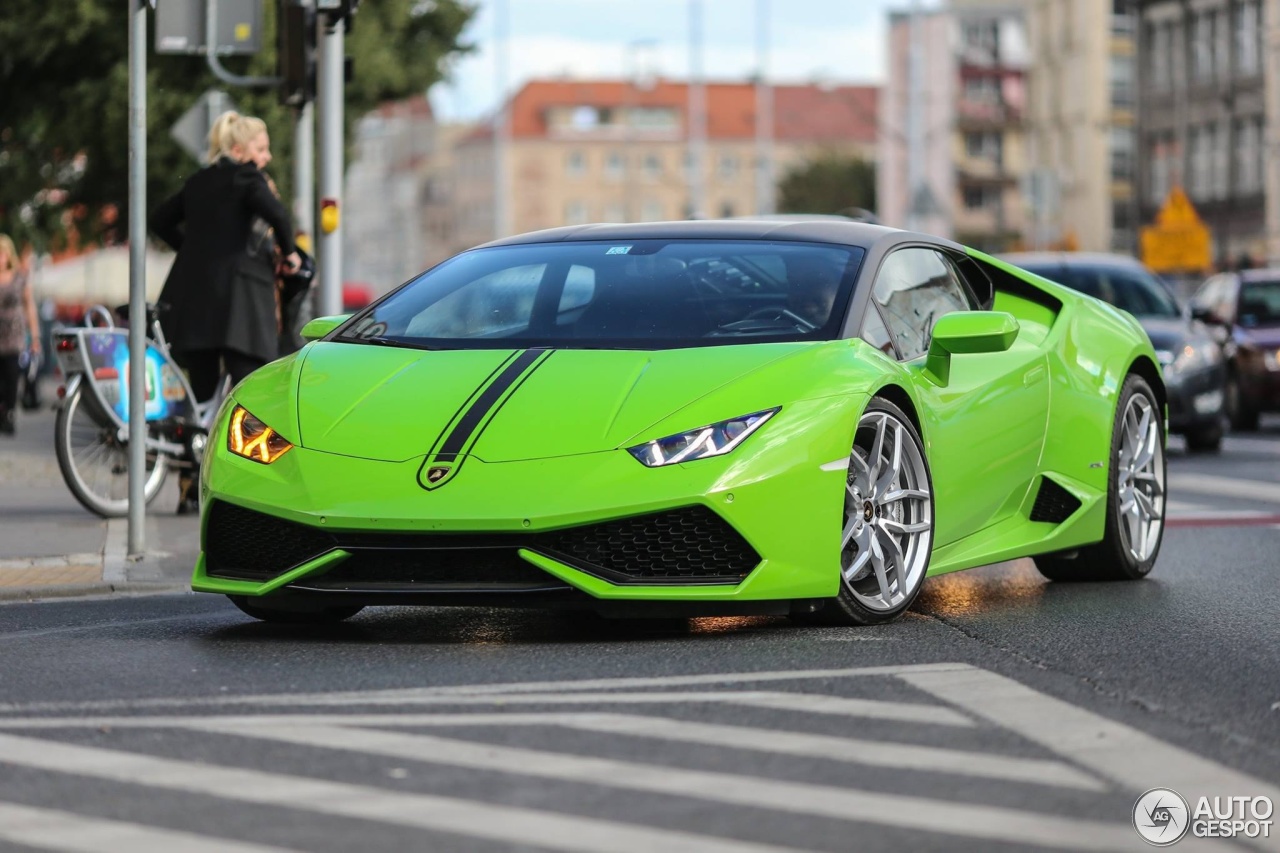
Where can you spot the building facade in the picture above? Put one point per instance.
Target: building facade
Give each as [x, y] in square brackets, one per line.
[961, 139]
[1202, 117]
[620, 151]
[1081, 126]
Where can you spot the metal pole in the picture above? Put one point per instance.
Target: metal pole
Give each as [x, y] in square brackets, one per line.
[304, 171]
[764, 114]
[502, 124]
[915, 137]
[137, 275]
[697, 117]
[329, 98]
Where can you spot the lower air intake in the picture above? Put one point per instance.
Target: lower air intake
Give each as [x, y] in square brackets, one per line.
[1054, 504]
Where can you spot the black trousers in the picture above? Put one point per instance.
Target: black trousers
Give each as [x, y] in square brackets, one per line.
[9, 374]
[204, 368]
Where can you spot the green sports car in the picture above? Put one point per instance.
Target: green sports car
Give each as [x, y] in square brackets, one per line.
[803, 418]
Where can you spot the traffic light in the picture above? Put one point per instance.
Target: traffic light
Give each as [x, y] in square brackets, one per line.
[296, 53]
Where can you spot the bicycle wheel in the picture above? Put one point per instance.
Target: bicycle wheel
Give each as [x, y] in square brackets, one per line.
[95, 463]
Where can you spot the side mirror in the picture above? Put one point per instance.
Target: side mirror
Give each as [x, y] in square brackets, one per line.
[967, 333]
[321, 326]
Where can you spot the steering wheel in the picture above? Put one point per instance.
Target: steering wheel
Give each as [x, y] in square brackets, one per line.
[770, 312]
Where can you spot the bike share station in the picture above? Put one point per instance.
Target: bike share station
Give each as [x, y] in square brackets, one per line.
[128, 408]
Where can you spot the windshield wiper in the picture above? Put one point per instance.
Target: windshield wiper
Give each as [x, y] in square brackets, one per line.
[376, 340]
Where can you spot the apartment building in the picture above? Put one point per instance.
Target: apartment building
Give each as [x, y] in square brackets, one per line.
[966, 149]
[620, 151]
[1081, 125]
[1202, 117]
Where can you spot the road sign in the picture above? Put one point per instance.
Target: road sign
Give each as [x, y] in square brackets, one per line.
[180, 26]
[1179, 241]
[192, 130]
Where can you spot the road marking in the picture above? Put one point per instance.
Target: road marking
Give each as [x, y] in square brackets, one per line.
[413, 693]
[506, 824]
[49, 829]
[1175, 507]
[874, 753]
[1116, 751]
[1227, 487]
[813, 703]
[1252, 445]
[128, 623]
[1225, 519]
[918, 813]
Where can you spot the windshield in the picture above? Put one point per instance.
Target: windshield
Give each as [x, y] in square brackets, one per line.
[628, 294]
[1128, 289]
[1260, 303]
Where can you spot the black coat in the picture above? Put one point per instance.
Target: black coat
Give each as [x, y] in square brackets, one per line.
[220, 294]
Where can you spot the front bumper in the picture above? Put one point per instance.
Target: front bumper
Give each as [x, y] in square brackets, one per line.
[759, 524]
[1195, 399]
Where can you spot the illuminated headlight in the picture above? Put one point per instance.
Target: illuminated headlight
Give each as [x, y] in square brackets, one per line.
[713, 440]
[251, 438]
[1195, 355]
[1271, 358]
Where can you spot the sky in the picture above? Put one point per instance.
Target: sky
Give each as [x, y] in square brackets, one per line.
[833, 41]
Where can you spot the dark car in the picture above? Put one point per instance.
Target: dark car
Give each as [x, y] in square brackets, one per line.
[1193, 362]
[1246, 306]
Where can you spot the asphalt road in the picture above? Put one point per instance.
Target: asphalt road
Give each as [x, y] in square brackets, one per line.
[1004, 713]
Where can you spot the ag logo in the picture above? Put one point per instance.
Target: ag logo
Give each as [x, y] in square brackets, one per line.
[436, 473]
[1161, 817]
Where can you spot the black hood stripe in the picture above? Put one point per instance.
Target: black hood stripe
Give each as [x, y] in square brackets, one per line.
[466, 404]
[462, 431]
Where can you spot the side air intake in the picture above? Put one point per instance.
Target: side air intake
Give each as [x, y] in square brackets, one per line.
[1054, 504]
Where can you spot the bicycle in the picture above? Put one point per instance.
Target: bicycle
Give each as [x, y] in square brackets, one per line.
[91, 432]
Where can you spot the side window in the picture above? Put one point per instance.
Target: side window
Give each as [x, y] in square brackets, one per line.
[1210, 294]
[913, 288]
[876, 333]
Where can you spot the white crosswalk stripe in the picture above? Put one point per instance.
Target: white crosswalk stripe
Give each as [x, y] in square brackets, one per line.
[1186, 482]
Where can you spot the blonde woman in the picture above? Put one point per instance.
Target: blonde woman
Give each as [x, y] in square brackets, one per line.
[218, 305]
[17, 319]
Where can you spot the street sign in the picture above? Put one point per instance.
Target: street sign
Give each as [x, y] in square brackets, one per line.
[192, 130]
[1179, 241]
[180, 26]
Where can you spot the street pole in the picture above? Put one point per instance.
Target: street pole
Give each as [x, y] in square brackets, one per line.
[764, 114]
[915, 136]
[304, 171]
[329, 99]
[697, 118]
[137, 275]
[501, 124]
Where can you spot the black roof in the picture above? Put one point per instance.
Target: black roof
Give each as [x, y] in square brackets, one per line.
[825, 231]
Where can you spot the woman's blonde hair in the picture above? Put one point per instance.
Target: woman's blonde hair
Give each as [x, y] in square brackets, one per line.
[231, 129]
[9, 251]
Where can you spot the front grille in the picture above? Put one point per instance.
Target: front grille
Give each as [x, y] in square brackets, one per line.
[247, 545]
[1053, 503]
[436, 568]
[691, 544]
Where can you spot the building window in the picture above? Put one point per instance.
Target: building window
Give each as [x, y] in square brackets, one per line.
[1248, 150]
[1199, 144]
[978, 198]
[984, 145]
[1202, 47]
[728, 166]
[1161, 38]
[652, 167]
[575, 213]
[982, 90]
[1122, 81]
[1161, 162]
[1121, 154]
[1219, 161]
[615, 212]
[1222, 44]
[615, 166]
[727, 210]
[651, 211]
[1247, 38]
[575, 164]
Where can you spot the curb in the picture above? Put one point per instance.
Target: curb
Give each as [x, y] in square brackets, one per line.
[86, 590]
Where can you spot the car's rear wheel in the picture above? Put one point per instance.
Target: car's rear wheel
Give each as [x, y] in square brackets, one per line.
[1243, 418]
[294, 613]
[1135, 497]
[887, 535]
[1205, 439]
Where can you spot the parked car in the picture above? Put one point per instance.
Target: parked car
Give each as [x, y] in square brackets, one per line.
[1193, 361]
[1245, 306]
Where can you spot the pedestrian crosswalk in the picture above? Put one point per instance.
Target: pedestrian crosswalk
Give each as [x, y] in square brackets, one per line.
[926, 756]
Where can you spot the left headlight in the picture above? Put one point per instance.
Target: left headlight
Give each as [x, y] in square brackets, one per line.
[251, 438]
[1195, 355]
[712, 440]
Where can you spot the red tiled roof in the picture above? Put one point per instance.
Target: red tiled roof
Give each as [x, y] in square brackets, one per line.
[801, 112]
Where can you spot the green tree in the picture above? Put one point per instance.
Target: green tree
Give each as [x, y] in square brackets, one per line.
[831, 183]
[64, 103]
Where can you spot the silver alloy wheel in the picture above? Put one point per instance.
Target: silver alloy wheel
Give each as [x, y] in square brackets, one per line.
[888, 515]
[1140, 478]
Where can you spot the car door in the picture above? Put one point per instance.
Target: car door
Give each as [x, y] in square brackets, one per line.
[984, 429]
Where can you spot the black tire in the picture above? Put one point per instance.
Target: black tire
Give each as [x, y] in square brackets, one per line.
[73, 423]
[1205, 439]
[295, 613]
[850, 606]
[1242, 417]
[1111, 559]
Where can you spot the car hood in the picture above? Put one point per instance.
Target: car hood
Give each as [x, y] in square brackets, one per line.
[503, 405]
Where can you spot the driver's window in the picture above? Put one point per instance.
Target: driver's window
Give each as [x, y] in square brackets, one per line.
[914, 288]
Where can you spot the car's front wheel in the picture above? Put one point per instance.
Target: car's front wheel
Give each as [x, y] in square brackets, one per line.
[1135, 497]
[294, 613]
[887, 535]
